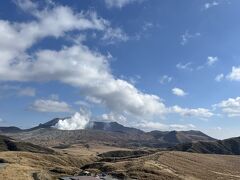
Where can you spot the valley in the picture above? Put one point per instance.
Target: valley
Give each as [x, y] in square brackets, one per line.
[157, 165]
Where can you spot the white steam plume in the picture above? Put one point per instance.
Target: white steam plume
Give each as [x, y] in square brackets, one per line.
[77, 121]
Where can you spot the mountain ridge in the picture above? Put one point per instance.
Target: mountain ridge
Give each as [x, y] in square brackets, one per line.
[229, 146]
[9, 144]
[111, 133]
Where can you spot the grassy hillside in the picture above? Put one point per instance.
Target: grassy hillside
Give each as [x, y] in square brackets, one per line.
[8, 144]
[29, 166]
[172, 165]
[138, 164]
[229, 147]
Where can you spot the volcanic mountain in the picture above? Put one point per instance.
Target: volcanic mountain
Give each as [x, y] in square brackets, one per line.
[111, 133]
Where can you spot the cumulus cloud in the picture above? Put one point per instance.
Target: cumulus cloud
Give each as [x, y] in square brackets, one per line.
[211, 60]
[48, 105]
[198, 112]
[28, 33]
[186, 37]
[90, 72]
[234, 75]
[119, 3]
[75, 65]
[78, 121]
[178, 92]
[231, 107]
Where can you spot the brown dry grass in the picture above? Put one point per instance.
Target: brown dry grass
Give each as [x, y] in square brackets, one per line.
[93, 150]
[158, 166]
[178, 165]
[25, 165]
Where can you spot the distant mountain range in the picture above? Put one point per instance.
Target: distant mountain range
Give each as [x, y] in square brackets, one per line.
[115, 134]
[10, 129]
[110, 133]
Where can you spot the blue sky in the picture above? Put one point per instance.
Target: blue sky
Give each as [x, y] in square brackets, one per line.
[148, 64]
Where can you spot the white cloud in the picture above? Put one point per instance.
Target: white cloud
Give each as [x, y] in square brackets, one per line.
[90, 72]
[219, 77]
[210, 5]
[75, 65]
[47, 105]
[187, 36]
[231, 106]
[28, 33]
[118, 3]
[178, 92]
[186, 66]
[165, 79]
[77, 121]
[146, 125]
[234, 75]
[198, 112]
[211, 60]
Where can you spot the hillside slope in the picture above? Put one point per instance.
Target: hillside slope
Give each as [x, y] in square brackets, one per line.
[8, 144]
[228, 146]
[172, 165]
[10, 129]
[178, 137]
